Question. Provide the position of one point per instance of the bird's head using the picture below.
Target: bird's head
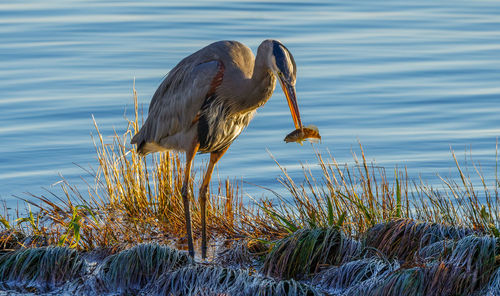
(281, 62)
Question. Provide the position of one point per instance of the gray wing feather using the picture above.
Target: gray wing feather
(177, 100)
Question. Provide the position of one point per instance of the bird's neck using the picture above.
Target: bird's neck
(259, 87)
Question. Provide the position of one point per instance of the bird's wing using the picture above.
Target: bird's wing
(177, 101)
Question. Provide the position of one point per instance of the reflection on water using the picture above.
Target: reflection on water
(408, 80)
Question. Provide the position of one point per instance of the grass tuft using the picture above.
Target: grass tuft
(354, 275)
(39, 269)
(402, 238)
(130, 270)
(436, 251)
(215, 280)
(242, 253)
(493, 286)
(476, 255)
(408, 282)
(305, 251)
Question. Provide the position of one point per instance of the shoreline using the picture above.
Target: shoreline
(402, 257)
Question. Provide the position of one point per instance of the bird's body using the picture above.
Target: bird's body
(208, 99)
(197, 99)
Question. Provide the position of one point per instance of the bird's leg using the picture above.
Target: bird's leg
(214, 157)
(185, 195)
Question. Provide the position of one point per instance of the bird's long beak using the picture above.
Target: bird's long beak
(291, 98)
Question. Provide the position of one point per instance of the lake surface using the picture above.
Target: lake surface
(407, 79)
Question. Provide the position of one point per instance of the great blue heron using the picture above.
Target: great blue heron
(207, 100)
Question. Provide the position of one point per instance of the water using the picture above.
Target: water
(406, 79)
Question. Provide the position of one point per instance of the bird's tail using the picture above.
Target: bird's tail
(141, 143)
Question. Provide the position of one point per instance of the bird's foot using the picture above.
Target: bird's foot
(204, 252)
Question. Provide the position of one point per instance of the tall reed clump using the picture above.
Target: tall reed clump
(146, 194)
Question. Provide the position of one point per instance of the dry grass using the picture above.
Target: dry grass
(356, 197)
(352, 198)
(133, 199)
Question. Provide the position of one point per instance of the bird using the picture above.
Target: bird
(207, 100)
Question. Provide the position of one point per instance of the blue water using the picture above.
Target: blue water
(407, 79)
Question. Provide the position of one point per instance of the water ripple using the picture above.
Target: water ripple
(406, 79)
